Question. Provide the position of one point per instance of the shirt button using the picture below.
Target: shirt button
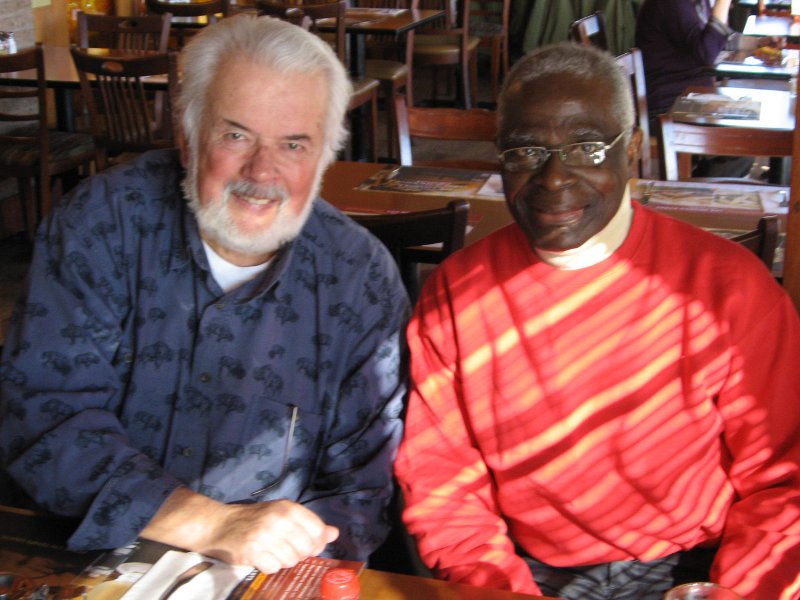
(205, 377)
(128, 358)
(219, 306)
(188, 452)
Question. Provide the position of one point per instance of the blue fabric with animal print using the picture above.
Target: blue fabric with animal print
(127, 371)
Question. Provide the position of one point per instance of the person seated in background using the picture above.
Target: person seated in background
(214, 358)
(680, 40)
(604, 399)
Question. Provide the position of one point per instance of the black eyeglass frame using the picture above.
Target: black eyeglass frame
(562, 152)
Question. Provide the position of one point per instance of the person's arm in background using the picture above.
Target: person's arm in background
(703, 40)
(451, 509)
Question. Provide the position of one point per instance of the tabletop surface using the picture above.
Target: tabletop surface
(32, 545)
(776, 108)
(744, 63)
(779, 26)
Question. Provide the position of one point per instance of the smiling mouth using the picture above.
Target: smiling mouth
(259, 201)
(560, 219)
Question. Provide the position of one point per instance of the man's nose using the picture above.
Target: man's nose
(261, 164)
(554, 174)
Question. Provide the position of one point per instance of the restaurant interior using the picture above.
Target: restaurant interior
(403, 75)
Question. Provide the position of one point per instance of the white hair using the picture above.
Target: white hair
(277, 45)
(582, 62)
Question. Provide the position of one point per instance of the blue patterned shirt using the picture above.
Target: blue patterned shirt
(128, 372)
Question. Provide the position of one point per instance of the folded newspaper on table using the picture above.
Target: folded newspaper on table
(710, 197)
(716, 106)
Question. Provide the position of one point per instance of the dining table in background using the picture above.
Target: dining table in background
(62, 78)
(746, 64)
(343, 186)
(776, 108)
(779, 26)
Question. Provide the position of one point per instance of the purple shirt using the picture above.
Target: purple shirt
(678, 39)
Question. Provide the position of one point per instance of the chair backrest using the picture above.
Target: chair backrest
(631, 62)
(679, 141)
(25, 105)
(308, 16)
(590, 30)
(145, 32)
(446, 124)
(406, 234)
(206, 8)
(126, 115)
(762, 240)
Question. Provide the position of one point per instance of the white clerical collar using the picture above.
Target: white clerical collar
(228, 275)
(597, 248)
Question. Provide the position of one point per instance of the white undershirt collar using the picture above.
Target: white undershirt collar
(228, 275)
(597, 248)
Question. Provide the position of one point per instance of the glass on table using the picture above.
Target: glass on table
(701, 590)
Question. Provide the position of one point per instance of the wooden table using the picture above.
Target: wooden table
(341, 179)
(62, 78)
(777, 108)
(32, 545)
(741, 64)
(773, 26)
(361, 22)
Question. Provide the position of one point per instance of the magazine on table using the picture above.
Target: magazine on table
(716, 106)
(439, 181)
(746, 198)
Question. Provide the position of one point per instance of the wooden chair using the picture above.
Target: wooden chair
(389, 60)
(210, 9)
(490, 23)
(407, 234)
(123, 114)
(762, 240)
(308, 16)
(29, 152)
(631, 62)
(590, 31)
(441, 123)
(449, 44)
(679, 141)
(146, 32)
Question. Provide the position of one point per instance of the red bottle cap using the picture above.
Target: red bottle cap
(340, 584)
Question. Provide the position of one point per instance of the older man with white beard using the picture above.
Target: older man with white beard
(224, 374)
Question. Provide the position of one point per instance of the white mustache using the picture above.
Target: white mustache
(258, 194)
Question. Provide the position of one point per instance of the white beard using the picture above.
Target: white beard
(216, 222)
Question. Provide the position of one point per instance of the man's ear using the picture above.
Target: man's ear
(634, 147)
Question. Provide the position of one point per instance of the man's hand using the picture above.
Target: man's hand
(268, 535)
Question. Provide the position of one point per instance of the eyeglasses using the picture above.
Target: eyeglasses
(533, 158)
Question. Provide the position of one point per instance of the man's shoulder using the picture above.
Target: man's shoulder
(140, 189)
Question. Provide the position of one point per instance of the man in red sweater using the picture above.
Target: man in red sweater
(606, 401)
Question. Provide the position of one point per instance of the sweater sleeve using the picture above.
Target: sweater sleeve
(451, 508)
(760, 549)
